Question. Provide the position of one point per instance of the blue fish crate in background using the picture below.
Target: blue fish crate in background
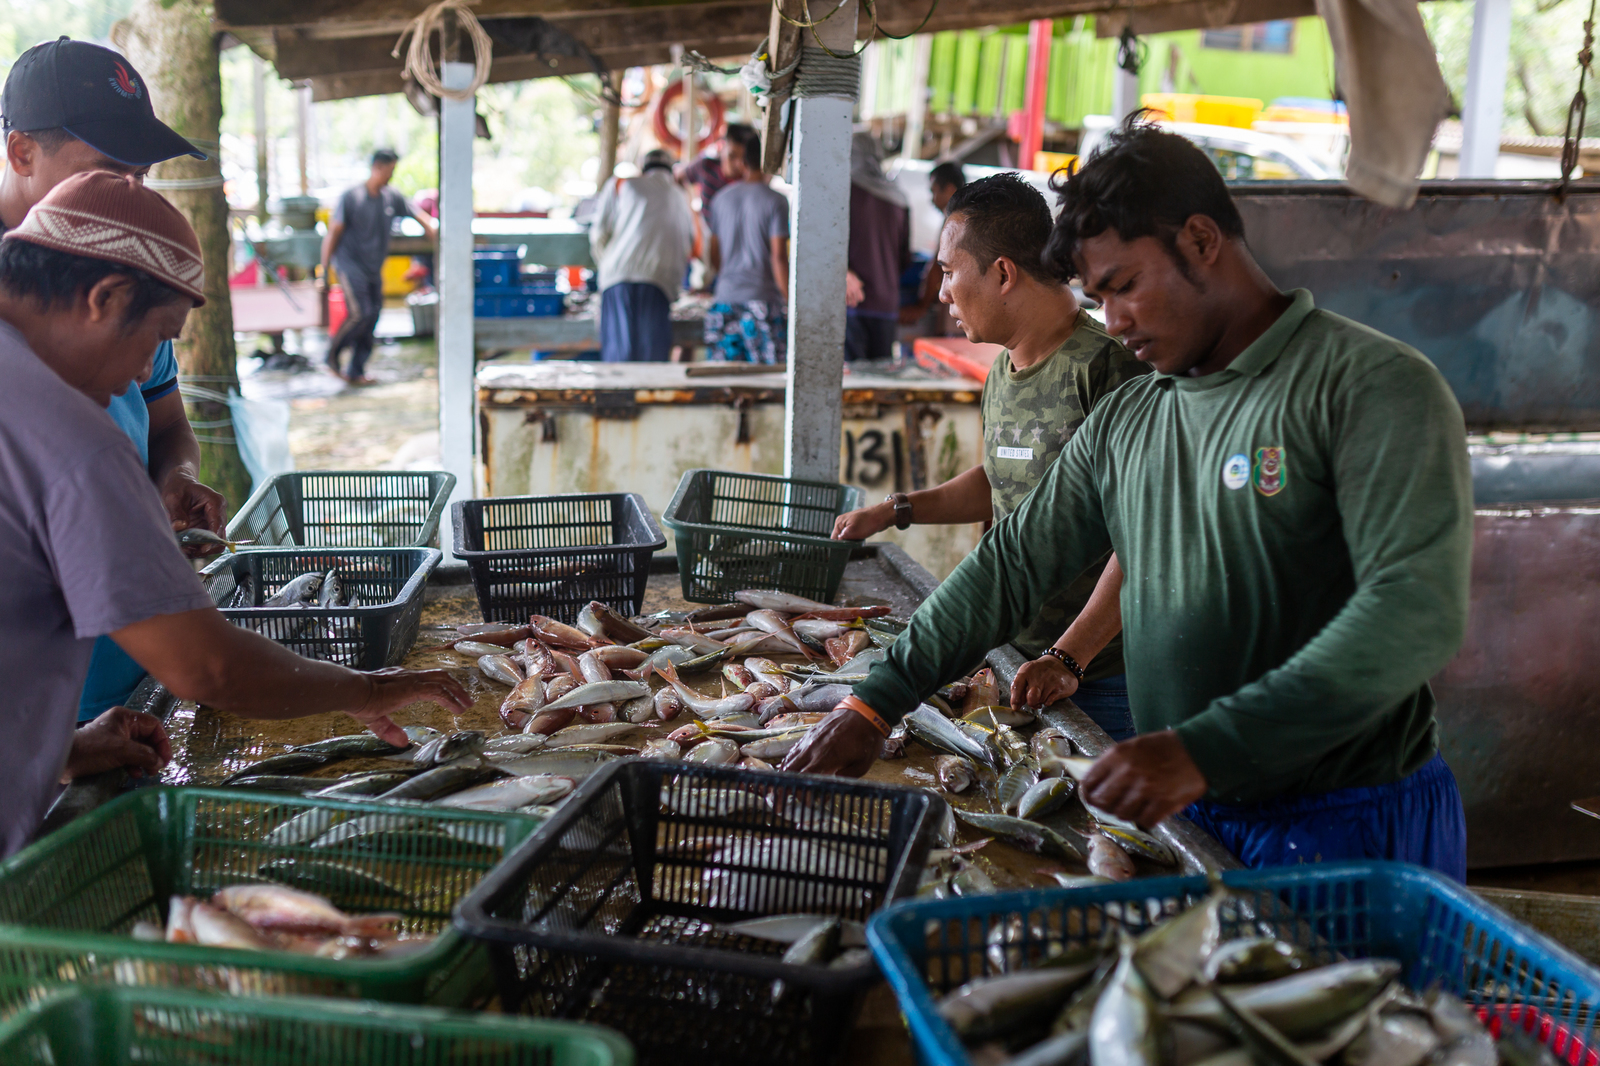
(1436, 929)
(520, 301)
(496, 266)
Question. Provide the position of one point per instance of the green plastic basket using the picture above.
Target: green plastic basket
(68, 902)
(345, 509)
(757, 531)
(167, 1027)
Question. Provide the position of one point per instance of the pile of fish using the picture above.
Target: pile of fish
(1032, 784)
(265, 917)
(317, 589)
(1182, 995)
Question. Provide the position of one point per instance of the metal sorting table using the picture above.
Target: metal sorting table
(576, 331)
(559, 427)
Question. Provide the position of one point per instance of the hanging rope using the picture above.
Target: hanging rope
(1578, 111)
(1130, 51)
(420, 64)
(825, 73)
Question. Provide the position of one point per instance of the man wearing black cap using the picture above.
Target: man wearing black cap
(69, 107)
(357, 244)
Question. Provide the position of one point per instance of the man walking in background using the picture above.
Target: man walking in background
(357, 244)
(749, 250)
(70, 107)
(879, 252)
(641, 237)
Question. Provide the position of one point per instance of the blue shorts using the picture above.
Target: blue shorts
(1106, 702)
(635, 323)
(1418, 819)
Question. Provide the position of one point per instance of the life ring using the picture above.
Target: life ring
(712, 104)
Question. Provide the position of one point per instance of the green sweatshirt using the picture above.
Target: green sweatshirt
(1295, 533)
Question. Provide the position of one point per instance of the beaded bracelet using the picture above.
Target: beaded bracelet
(1068, 661)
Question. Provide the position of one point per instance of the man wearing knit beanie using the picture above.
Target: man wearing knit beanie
(98, 273)
(68, 107)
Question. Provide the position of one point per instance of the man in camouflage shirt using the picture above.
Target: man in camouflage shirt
(1057, 365)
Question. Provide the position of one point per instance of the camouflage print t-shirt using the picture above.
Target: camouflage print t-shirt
(1028, 417)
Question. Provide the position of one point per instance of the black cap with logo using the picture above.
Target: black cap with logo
(94, 94)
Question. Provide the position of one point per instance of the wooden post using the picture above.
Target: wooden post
(173, 44)
(457, 398)
(783, 44)
(691, 118)
(817, 263)
(610, 121)
(262, 162)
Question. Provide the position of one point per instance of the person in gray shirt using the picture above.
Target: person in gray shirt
(356, 244)
(749, 250)
(100, 272)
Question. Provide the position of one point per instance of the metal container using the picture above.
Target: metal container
(563, 427)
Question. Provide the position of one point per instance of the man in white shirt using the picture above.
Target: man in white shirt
(642, 235)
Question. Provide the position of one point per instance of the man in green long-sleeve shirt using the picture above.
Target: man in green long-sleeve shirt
(1290, 499)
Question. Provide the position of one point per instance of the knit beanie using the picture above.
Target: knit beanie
(101, 215)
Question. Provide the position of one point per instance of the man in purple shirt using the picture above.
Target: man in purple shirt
(99, 273)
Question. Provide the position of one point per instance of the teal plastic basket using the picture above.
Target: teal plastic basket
(69, 901)
(1434, 927)
(756, 531)
(165, 1027)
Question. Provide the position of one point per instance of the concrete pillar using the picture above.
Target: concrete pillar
(1124, 93)
(1484, 105)
(819, 227)
(453, 264)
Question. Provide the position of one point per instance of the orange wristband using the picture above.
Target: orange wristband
(851, 703)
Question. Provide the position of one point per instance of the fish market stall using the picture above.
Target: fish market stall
(560, 427)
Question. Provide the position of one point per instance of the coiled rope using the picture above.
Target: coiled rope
(420, 64)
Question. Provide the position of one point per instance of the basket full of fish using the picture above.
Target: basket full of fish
(707, 914)
(738, 531)
(550, 555)
(1328, 964)
(359, 607)
(252, 894)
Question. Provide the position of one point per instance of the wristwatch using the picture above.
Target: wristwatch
(902, 509)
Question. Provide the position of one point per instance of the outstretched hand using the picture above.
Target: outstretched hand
(1043, 681)
(119, 737)
(843, 744)
(395, 688)
(1145, 780)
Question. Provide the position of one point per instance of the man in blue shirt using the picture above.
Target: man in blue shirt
(67, 107)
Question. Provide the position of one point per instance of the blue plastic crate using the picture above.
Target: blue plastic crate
(1437, 929)
(522, 301)
(497, 266)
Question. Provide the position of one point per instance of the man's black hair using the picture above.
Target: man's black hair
(1004, 216)
(385, 155)
(947, 174)
(59, 279)
(1142, 182)
(50, 140)
(749, 141)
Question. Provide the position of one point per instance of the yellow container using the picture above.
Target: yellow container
(394, 275)
(1050, 162)
(1239, 111)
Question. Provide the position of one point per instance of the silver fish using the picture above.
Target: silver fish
(661, 748)
(639, 710)
(1044, 796)
(1029, 836)
(352, 746)
(1138, 842)
(989, 1006)
(1255, 959)
(994, 716)
(789, 928)
(588, 733)
(477, 649)
(939, 733)
(200, 537)
(510, 793)
(1171, 955)
(563, 763)
(774, 747)
(1107, 859)
(1051, 742)
(463, 744)
(706, 706)
(1126, 1028)
(1015, 783)
(1302, 1004)
(331, 594)
(772, 622)
(955, 773)
(501, 668)
(714, 752)
(598, 692)
(301, 589)
(772, 600)
(592, 668)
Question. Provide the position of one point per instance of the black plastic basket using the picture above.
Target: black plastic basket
(551, 555)
(345, 509)
(744, 531)
(607, 913)
(389, 582)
